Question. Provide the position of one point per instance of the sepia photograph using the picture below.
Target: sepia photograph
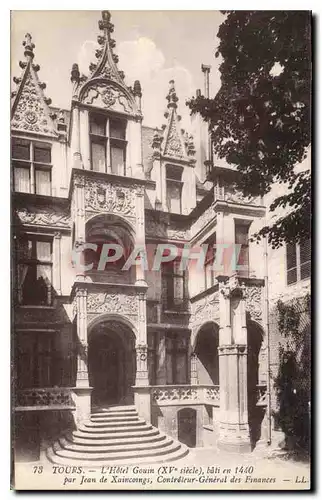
(161, 249)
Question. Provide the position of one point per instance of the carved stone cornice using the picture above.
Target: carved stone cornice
(232, 350)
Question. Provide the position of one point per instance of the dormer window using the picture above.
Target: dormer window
(31, 162)
(174, 188)
(108, 144)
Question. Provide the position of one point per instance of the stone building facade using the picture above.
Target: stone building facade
(188, 347)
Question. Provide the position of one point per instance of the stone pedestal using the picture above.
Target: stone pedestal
(233, 416)
(82, 400)
(142, 400)
(234, 430)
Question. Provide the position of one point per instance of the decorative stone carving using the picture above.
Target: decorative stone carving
(113, 198)
(52, 396)
(253, 295)
(205, 309)
(161, 229)
(261, 395)
(44, 216)
(31, 113)
(213, 394)
(112, 303)
(108, 97)
(231, 286)
(173, 145)
(236, 196)
(165, 394)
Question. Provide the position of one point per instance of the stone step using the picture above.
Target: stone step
(112, 414)
(146, 437)
(105, 426)
(114, 448)
(111, 418)
(113, 408)
(119, 455)
(133, 433)
(177, 455)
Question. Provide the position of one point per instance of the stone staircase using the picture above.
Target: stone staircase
(112, 436)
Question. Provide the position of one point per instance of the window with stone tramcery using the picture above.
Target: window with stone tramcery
(173, 286)
(34, 270)
(174, 188)
(31, 163)
(298, 261)
(169, 367)
(108, 144)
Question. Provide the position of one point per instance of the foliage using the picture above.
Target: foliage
(260, 118)
(292, 383)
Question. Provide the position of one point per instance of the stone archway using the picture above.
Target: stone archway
(111, 363)
(206, 350)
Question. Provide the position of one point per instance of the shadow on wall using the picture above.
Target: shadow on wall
(255, 414)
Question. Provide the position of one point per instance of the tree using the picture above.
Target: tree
(260, 118)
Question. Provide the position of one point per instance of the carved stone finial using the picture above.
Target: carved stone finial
(137, 88)
(74, 74)
(104, 23)
(29, 46)
(172, 96)
(156, 141)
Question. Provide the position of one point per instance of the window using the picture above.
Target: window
(209, 262)
(31, 163)
(174, 189)
(298, 261)
(173, 285)
(36, 356)
(108, 144)
(176, 359)
(241, 238)
(34, 271)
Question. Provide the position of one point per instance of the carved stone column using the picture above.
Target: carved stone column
(193, 369)
(82, 391)
(77, 157)
(81, 318)
(234, 429)
(141, 342)
(79, 200)
(57, 262)
(161, 354)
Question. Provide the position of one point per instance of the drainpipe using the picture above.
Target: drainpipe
(266, 322)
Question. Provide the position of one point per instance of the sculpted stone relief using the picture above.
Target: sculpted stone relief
(162, 229)
(30, 114)
(111, 198)
(44, 216)
(112, 303)
(173, 146)
(205, 309)
(253, 298)
(107, 97)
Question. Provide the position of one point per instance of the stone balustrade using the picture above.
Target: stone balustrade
(169, 395)
(45, 398)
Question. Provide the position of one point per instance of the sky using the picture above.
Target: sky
(153, 47)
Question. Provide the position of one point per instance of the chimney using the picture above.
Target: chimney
(206, 70)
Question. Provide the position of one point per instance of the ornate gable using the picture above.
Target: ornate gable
(30, 108)
(175, 144)
(105, 87)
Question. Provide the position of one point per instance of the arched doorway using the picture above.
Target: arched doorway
(187, 426)
(206, 349)
(111, 363)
